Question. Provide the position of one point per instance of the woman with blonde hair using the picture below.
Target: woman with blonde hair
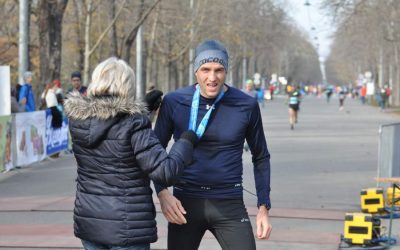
(117, 154)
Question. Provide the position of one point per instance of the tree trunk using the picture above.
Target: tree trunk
(155, 74)
(185, 69)
(145, 58)
(88, 23)
(149, 59)
(88, 49)
(396, 84)
(149, 63)
(113, 32)
(78, 29)
(380, 67)
(29, 28)
(127, 45)
(180, 71)
(171, 75)
(236, 74)
(132, 36)
(168, 66)
(50, 36)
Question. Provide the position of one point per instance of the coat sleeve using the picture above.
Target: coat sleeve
(23, 93)
(161, 167)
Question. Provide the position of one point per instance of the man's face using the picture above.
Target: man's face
(76, 82)
(211, 79)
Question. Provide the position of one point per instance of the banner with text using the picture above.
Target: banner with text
(57, 138)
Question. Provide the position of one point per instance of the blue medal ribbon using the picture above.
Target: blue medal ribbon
(195, 110)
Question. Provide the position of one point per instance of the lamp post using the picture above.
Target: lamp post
(139, 69)
(23, 39)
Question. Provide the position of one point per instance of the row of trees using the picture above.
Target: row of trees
(367, 39)
(77, 34)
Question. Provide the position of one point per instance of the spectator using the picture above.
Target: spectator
(383, 97)
(388, 92)
(50, 99)
(363, 93)
(26, 97)
(118, 154)
(76, 80)
(59, 91)
(15, 106)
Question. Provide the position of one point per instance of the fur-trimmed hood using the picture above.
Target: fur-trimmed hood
(79, 107)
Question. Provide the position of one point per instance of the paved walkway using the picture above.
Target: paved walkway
(61, 235)
(318, 171)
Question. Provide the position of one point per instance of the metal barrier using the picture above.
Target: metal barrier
(389, 152)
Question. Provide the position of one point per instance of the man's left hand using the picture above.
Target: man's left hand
(264, 228)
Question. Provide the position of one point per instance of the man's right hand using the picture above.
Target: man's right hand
(171, 207)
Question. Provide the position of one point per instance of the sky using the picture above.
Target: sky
(314, 21)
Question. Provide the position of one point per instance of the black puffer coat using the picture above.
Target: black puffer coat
(117, 154)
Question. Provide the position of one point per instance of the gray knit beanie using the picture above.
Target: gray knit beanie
(211, 51)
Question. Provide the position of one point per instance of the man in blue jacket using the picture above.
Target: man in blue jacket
(209, 195)
(25, 97)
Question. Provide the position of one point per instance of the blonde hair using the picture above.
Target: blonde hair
(113, 77)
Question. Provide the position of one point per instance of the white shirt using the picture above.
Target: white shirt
(51, 99)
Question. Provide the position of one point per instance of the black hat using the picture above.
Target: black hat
(76, 74)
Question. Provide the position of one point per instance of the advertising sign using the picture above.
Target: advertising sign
(5, 143)
(30, 137)
(56, 138)
(5, 103)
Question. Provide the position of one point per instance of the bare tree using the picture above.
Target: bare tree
(80, 44)
(9, 33)
(130, 38)
(50, 16)
(89, 50)
(257, 30)
(367, 39)
(113, 31)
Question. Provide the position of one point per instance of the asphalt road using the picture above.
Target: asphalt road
(318, 170)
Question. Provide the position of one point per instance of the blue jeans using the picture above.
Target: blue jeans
(87, 245)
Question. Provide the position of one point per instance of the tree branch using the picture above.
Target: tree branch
(133, 32)
(107, 29)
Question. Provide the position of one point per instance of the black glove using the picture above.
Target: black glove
(153, 99)
(190, 136)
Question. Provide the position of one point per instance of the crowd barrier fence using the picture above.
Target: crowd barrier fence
(28, 137)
